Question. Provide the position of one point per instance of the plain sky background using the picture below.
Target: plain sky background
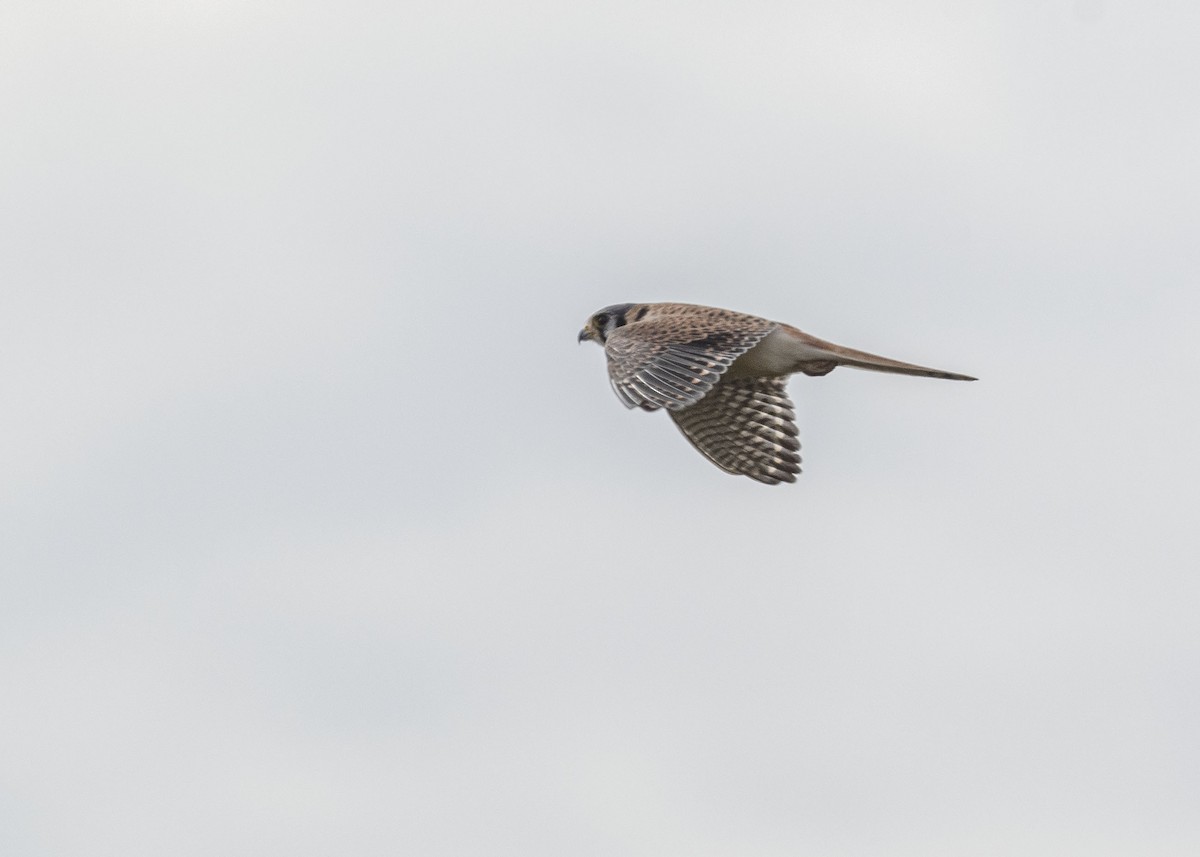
(319, 534)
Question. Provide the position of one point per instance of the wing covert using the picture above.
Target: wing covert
(660, 364)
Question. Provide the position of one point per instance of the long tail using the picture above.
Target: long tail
(830, 353)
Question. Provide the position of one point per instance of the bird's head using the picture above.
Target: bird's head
(600, 325)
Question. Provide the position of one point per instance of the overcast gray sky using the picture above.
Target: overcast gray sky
(320, 534)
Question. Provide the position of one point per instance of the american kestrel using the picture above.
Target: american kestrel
(722, 376)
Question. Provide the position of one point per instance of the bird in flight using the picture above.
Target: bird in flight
(722, 377)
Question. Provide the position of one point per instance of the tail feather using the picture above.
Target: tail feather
(874, 363)
(842, 356)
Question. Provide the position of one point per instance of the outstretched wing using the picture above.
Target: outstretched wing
(662, 364)
(746, 426)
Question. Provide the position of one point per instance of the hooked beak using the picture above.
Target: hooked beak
(585, 335)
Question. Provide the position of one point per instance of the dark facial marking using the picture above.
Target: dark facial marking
(616, 311)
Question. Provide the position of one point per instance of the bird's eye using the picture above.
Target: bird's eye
(601, 320)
